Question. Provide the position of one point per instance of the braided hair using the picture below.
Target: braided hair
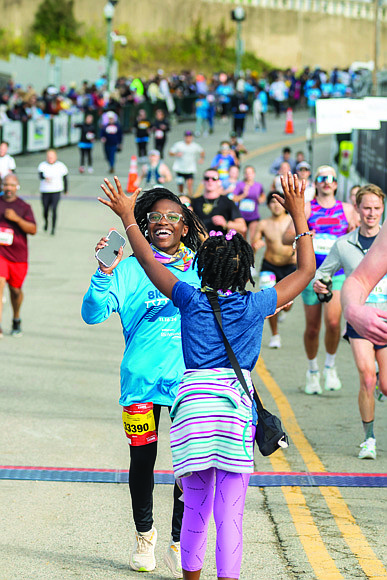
(196, 230)
(225, 264)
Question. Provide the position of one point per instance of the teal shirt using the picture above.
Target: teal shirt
(153, 364)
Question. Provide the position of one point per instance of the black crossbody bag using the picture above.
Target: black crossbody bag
(269, 435)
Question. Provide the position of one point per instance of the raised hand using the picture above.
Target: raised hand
(118, 201)
(294, 193)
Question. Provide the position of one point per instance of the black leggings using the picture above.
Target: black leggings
(50, 200)
(141, 484)
(86, 155)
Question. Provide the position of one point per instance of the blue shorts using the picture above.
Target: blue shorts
(309, 296)
(350, 332)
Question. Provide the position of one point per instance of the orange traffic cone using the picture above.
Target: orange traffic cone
(133, 175)
(289, 127)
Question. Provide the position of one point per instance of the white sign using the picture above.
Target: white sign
(13, 135)
(38, 134)
(60, 130)
(343, 115)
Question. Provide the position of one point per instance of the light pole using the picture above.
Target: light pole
(377, 27)
(108, 11)
(239, 15)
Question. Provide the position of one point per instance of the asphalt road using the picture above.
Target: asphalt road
(59, 389)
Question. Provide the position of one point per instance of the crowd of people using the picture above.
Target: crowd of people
(211, 95)
(202, 242)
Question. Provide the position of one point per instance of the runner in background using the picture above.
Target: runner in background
(347, 253)
(328, 219)
(279, 260)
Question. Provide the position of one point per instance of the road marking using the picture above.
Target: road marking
(274, 146)
(350, 531)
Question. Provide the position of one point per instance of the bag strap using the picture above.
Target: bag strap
(214, 302)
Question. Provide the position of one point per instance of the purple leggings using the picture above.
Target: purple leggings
(228, 505)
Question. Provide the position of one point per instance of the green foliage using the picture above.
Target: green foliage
(202, 49)
(55, 21)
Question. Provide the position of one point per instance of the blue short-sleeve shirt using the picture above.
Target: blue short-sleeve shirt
(243, 316)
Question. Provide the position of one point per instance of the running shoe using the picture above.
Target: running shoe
(16, 328)
(1, 333)
(81, 169)
(332, 381)
(143, 558)
(379, 395)
(90, 170)
(275, 341)
(368, 449)
(312, 386)
(173, 560)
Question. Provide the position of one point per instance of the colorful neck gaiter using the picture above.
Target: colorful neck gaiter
(181, 260)
(219, 292)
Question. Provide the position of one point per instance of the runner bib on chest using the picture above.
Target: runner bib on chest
(379, 293)
(6, 236)
(322, 243)
(247, 205)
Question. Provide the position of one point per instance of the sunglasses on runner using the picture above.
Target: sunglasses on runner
(326, 178)
(210, 178)
(154, 217)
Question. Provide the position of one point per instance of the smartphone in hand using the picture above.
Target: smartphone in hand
(109, 253)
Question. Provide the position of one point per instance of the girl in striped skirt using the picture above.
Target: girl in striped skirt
(212, 433)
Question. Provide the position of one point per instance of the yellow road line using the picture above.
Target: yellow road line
(319, 558)
(273, 146)
(351, 532)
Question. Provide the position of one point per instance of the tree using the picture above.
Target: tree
(55, 21)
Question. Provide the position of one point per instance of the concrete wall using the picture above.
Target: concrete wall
(284, 37)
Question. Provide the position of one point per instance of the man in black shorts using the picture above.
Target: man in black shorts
(279, 260)
(215, 210)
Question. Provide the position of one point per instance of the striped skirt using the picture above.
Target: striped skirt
(212, 423)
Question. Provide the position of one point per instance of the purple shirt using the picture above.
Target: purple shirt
(250, 204)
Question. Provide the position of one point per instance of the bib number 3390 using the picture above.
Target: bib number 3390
(139, 424)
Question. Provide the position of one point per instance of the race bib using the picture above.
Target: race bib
(159, 134)
(90, 136)
(322, 243)
(247, 205)
(139, 424)
(379, 293)
(111, 129)
(266, 280)
(6, 236)
(243, 108)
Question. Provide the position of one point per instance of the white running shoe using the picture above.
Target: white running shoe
(275, 341)
(368, 449)
(332, 381)
(143, 558)
(379, 396)
(312, 386)
(173, 560)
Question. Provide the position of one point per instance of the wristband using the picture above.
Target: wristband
(300, 236)
(129, 226)
(103, 273)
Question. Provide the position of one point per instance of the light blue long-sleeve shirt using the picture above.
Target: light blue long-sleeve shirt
(152, 365)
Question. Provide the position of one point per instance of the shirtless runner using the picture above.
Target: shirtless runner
(279, 260)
